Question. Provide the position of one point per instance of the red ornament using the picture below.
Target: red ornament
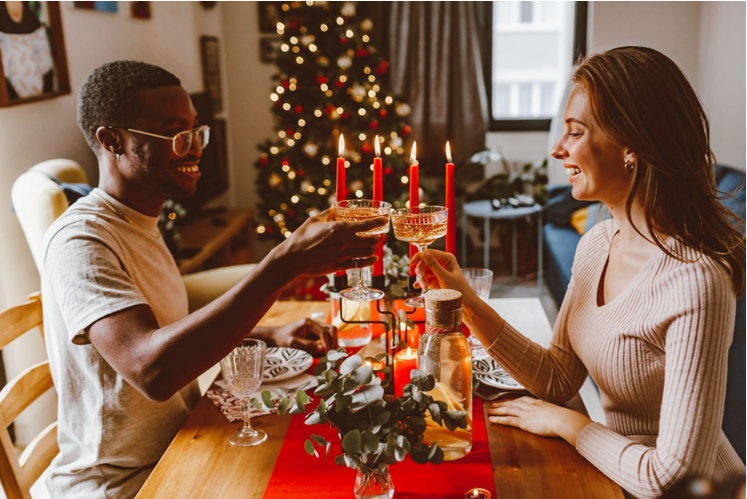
(373, 125)
(382, 67)
(343, 40)
(299, 109)
(291, 213)
(366, 147)
(289, 131)
(362, 53)
(345, 116)
(339, 83)
(263, 161)
(293, 24)
(269, 230)
(388, 170)
(329, 109)
(405, 130)
(286, 84)
(300, 173)
(321, 80)
(382, 112)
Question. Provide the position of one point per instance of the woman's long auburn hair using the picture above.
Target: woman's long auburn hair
(641, 100)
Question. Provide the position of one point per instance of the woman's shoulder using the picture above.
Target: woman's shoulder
(700, 273)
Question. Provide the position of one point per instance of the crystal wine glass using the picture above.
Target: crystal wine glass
(420, 226)
(242, 372)
(357, 210)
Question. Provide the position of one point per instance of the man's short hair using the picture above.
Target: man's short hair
(111, 95)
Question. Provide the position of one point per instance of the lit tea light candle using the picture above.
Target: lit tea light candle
(477, 493)
(377, 366)
(404, 362)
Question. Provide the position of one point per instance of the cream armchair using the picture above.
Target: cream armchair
(38, 201)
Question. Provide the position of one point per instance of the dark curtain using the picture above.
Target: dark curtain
(435, 52)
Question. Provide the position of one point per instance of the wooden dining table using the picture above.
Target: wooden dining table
(201, 463)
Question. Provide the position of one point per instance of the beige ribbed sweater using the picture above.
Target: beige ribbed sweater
(658, 354)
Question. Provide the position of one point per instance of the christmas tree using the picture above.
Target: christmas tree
(331, 81)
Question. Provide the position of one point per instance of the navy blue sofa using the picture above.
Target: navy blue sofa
(560, 247)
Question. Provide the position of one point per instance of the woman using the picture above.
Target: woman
(649, 311)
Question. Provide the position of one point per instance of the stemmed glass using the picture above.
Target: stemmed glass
(480, 280)
(357, 210)
(420, 226)
(242, 372)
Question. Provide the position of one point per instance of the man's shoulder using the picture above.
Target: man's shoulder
(82, 221)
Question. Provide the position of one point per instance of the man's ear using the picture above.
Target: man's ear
(110, 140)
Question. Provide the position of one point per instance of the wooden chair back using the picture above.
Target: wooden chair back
(19, 474)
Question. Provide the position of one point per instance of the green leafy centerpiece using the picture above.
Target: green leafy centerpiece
(373, 432)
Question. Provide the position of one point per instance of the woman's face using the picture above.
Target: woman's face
(595, 165)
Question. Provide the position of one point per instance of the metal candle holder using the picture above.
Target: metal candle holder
(377, 282)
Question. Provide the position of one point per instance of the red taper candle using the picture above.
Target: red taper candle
(341, 193)
(450, 204)
(378, 195)
(414, 194)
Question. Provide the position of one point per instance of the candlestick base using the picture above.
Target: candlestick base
(340, 282)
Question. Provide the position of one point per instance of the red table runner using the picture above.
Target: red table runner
(296, 472)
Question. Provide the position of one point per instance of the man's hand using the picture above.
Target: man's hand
(306, 334)
(321, 245)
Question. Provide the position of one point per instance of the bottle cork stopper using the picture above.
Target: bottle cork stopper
(441, 307)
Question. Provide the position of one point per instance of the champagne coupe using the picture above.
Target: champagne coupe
(242, 372)
(420, 226)
(357, 210)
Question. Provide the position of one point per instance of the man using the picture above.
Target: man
(124, 353)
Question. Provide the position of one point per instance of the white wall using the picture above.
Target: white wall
(721, 78)
(705, 39)
(36, 132)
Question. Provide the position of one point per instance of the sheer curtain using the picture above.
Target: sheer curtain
(436, 65)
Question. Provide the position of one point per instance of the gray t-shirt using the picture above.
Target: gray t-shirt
(96, 264)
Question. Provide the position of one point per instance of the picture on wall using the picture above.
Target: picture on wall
(32, 50)
(101, 6)
(269, 47)
(140, 10)
(210, 52)
(269, 16)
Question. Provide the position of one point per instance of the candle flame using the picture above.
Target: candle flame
(402, 327)
(409, 352)
(377, 148)
(413, 154)
(448, 152)
(341, 147)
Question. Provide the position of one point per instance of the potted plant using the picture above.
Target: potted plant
(373, 433)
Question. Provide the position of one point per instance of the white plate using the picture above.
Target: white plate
(489, 372)
(284, 363)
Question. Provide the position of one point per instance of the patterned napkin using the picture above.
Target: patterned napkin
(229, 405)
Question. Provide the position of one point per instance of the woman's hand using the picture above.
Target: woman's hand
(438, 270)
(539, 417)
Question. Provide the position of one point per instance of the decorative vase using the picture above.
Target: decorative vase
(377, 485)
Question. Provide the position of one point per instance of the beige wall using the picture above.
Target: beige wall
(721, 78)
(36, 132)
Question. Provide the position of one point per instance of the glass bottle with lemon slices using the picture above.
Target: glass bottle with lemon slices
(445, 353)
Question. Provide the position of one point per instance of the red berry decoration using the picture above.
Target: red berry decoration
(405, 130)
(300, 173)
(299, 109)
(388, 170)
(291, 213)
(366, 147)
(362, 53)
(339, 83)
(264, 161)
(345, 116)
(382, 67)
(322, 79)
(373, 125)
(329, 109)
(286, 84)
(382, 112)
(289, 131)
(343, 40)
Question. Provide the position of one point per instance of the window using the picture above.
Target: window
(532, 47)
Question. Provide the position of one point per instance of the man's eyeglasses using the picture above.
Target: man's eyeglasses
(182, 141)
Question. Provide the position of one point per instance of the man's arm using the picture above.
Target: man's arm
(160, 361)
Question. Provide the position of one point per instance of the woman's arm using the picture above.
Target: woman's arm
(554, 374)
(697, 345)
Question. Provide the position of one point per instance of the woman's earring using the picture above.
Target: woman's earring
(117, 158)
(629, 165)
